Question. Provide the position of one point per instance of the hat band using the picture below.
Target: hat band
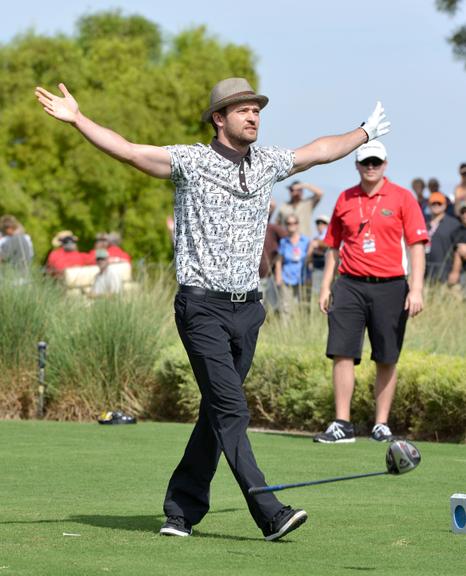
(236, 95)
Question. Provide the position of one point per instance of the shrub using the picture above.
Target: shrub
(431, 396)
(292, 389)
(176, 395)
(288, 387)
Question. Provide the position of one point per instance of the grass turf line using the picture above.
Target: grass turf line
(107, 484)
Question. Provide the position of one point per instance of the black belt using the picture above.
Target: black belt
(373, 279)
(251, 296)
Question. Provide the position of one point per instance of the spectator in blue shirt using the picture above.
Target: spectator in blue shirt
(291, 272)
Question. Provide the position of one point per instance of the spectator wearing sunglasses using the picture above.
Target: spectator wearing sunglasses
(443, 230)
(291, 272)
(366, 236)
(433, 185)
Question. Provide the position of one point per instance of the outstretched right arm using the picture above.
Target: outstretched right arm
(152, 160)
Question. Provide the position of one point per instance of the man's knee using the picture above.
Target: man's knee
(233, 421)
(343, 362)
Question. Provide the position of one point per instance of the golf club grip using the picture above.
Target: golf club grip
(277, 487)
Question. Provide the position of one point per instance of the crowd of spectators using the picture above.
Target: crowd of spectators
(16, 249)
(446, 224)
(294, 250)
(65, 253)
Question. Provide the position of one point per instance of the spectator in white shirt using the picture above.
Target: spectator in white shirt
(107, 281)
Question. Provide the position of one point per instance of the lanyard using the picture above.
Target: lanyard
(433, 228)
(367, 220)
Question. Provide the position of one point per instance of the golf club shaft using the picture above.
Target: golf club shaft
(277, 487)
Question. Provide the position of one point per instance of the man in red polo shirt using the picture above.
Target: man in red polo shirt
(65, 255)
(370, 226)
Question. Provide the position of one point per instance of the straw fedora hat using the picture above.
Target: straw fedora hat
(232, 91)
(58, 238)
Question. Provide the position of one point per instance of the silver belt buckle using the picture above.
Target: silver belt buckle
(238, 296)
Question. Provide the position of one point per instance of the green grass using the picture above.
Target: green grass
(107, 484)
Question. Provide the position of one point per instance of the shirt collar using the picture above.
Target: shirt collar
(381, 192)
(229, 153)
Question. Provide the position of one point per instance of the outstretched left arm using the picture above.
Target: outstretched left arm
(330, 148)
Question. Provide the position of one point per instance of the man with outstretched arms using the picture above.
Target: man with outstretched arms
(222, 200)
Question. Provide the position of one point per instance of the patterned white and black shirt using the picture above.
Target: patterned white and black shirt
(221, 211)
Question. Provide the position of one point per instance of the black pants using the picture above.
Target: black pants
(220, 338)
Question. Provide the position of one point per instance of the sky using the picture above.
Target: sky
(323, 64)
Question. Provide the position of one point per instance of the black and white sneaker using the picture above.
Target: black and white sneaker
(176, 526)
(284, 521)
(339, 432)
(382, 433)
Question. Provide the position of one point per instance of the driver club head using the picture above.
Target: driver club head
(402, 456)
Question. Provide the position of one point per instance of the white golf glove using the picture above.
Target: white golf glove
(374, 125)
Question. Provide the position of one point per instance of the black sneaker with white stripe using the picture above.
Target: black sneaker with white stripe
(176, 526)
(339, 432)
(382, 433)
(284, 522)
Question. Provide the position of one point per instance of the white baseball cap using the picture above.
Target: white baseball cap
(372, 149)
(323, 218)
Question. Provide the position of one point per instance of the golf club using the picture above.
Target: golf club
(401, 457)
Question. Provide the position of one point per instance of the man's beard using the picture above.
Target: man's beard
(241, 139)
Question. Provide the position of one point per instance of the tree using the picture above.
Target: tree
(458, 38)
(123, 77)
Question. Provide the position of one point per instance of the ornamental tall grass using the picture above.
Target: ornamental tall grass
(109, 354)
(26, 310)
(439, 329)
(100, 353)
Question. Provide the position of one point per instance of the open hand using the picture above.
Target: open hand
(63, 108)
(375, 125)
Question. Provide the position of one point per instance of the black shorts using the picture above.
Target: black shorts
(356, 305)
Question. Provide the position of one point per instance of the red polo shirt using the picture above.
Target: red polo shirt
(59, 259)
(115, 254)
(391, 217)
